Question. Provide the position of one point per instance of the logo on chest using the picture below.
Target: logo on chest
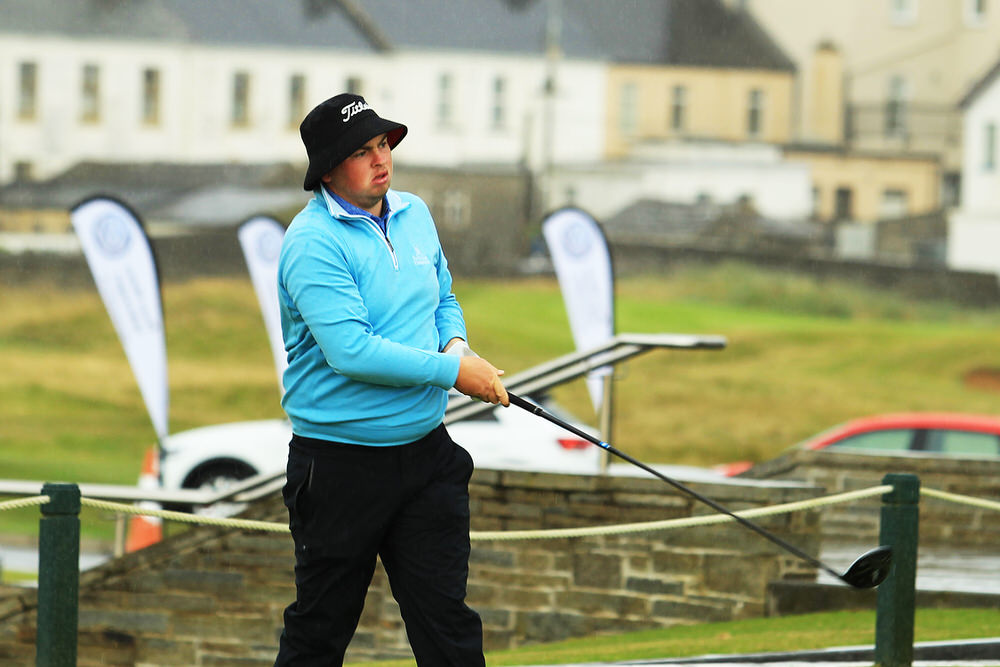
(419, 258)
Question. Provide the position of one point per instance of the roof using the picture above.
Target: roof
(704, 33)
(207, 194)
(979, 86)
(300, 23)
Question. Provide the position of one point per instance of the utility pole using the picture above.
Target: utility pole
(553, 32)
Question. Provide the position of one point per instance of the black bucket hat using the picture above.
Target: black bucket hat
(338, 127)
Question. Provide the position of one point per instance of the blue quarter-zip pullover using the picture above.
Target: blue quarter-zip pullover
(364, 315)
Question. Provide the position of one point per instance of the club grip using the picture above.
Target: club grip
(521, 403)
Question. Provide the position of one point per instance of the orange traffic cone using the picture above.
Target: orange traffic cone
(146, 530)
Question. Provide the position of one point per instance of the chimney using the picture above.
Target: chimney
(824, 111)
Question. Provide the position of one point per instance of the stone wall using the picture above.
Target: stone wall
(209, 596)
(941, 522)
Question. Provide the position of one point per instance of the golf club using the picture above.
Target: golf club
(868, 571)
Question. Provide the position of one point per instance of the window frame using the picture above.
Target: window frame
(756, 103)
(27, 90)
(903, 13)
(90, 94)
(152, 98)
(678, 108)
(239, 111)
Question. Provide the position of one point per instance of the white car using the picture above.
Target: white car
(215, 456)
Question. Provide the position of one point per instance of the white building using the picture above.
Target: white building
(974, 228)
(690, 172)
(228, 81)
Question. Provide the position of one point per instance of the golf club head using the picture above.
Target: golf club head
(870, 569)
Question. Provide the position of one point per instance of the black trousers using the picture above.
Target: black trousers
(410, 506)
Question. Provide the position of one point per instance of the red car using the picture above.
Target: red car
(929, 433)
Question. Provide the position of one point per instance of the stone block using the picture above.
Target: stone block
(487, 556)
(549, 627)
(592, 603)
(496, 618)
(691, 611)
(123, 621)
(655, 586)
(246, 627)
(675, 560)
(546, 481)
(516, 597)
(534, 561)
(496, 639)
(202, 581)
(477, 594)
(548, 580)
(742, 575)
(164, 651)
(595, 570)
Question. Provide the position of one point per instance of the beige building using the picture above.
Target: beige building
(659, 103)
(906, 64)
(858, 186)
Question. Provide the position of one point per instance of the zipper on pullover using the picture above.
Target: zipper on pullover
(385, 237)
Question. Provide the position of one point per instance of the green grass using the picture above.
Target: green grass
(15, 578)
(802, 355)
(760, 635)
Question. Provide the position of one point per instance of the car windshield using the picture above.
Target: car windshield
(961, 443)
(897, 440)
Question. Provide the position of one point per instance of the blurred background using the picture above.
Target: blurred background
(814, 180)
(836, 160)
(856, 130)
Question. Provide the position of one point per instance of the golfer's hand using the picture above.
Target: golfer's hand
(478, 378)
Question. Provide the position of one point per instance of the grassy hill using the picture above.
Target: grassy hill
(801, 356)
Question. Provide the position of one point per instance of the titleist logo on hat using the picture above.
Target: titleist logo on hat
(351, 110)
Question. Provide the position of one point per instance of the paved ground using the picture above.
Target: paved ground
(938, 568)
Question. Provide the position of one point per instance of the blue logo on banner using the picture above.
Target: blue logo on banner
(269, 245)
(113, 235)
(577, 239)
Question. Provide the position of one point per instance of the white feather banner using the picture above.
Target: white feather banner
(121, 260)
(582, 263)
(260, 238)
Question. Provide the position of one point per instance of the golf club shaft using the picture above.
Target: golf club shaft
(538, 411)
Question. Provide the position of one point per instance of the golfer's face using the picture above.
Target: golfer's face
(363, 178)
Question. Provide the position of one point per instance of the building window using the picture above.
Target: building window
(893, 204)
(90, 94)
(296, 99)
(990, 147)
(445, 101)
(678, 108)
(843, 204)
(498, 109)
(975, 13)
(23, 172)
(895, 107)
(151, 96)
(903, 12)
(457, 210)
(240, 114)
(27, 100)
(755, 113)
(629, 121)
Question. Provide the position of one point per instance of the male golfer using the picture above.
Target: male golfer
(375, 338)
